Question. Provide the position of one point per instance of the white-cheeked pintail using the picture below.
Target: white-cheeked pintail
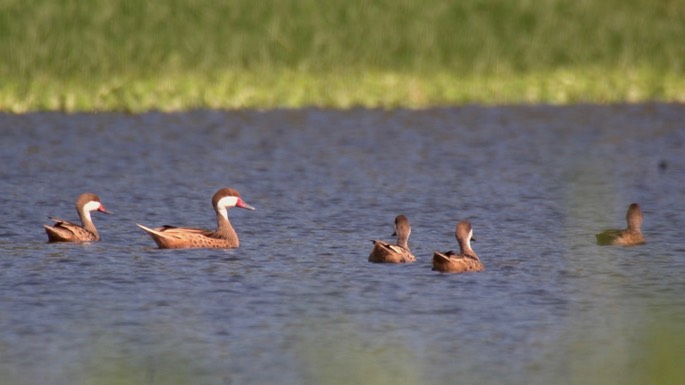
(65, 231)
(384, 252)
(630, 236)
(170, 237)
(465, 260)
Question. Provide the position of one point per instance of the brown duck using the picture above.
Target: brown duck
(170, 237)
(65, 231)
(627, 237)
(384, 252)
(465, 260)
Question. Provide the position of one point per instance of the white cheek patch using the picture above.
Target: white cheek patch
(228, 201)
(91, 206)
(224, 202)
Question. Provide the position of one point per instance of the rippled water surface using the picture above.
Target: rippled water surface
(298, 303)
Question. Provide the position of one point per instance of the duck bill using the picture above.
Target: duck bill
(241, 203)
(102, 209)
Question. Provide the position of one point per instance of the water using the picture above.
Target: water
(298, 302)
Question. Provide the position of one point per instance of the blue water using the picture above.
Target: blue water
(298, 303)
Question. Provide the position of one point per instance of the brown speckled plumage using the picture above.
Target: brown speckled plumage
(384, 252)
(464, 261)
(631, 236)
(65, 231)
(170, 237)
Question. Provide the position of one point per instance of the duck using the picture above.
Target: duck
(224, 237)
(384, 252)
(630, 236)
(65, 231)
(464, 261)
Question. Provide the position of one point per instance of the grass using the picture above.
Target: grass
(180, 54)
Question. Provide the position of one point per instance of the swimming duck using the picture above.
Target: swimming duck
(65, 231)
(384, 252)
(170, 237)
(627, 237)
(465, 260)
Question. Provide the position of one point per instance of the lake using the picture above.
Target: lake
(298, 303)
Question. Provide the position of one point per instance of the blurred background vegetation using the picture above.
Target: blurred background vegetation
(178, 54)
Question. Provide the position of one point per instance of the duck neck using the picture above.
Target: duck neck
(634, 230)
(465, 248)
(634, 227)
(87, 222)
(403, 241)
(223, 226)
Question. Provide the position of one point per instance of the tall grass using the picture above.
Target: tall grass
(64, 54)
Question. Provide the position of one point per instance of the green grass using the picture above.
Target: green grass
(179, 54)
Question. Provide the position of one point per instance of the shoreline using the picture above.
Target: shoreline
(262, 89)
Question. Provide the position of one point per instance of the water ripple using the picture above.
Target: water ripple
(536, 183)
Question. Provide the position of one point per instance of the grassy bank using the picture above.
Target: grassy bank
(135, 55)
(287, 88)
